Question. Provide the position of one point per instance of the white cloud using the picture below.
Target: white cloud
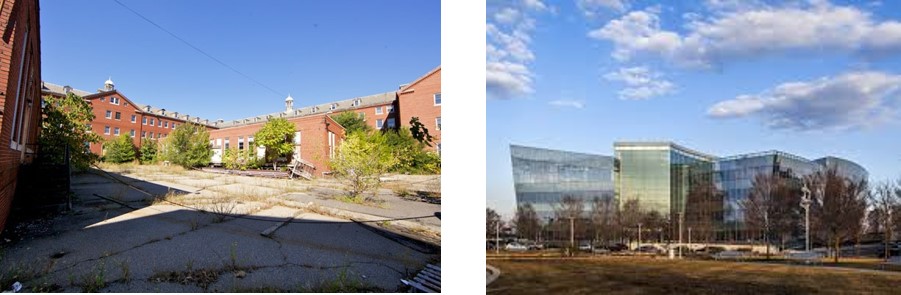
(567, 103)
(851, 100)
(641, 83)
(750, 31)
(591, 7)
(508, 49)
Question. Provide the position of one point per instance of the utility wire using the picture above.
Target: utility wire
(198, 49)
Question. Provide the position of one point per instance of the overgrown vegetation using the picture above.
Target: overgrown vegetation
(361, 161)
(242, 159)
(66, 123)
(411, 154)
(278, 138)
(352, 122)
(188, 146)
(119, 150)
(149, 151)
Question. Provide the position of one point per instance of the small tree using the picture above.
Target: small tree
(412, 157)
(570, 209)
(66, 124)
(188, 145)
(492, 222)
(603, 210)
(361, 161)
(149, 151)
(885, 200)
(278, 138)
(526, 221)
(839, 208)
(119, 150)
(352, 122)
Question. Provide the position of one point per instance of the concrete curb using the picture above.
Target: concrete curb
(494, 273)
(351, 215)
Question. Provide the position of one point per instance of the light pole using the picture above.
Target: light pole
(805, 203)
(497, 237)
(681, 216)
(639, 236)
(572, 234)
(689, 237)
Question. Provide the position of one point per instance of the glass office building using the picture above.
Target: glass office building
(542, 177)
(658, 174)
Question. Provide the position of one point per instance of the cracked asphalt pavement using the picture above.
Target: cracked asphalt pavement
(104, 246)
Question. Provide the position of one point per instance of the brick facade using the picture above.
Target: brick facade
(314, 138)
(20, 93)
(418, 99)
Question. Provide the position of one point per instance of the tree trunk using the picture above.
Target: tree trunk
(837, 250)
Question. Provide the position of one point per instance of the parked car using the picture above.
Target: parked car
(618, 247)
(585, 247)
(535, 246)
(515, 247)
(648, 249)
(711, 249)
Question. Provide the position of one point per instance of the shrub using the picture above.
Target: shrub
(119, 150)
(149, 151)
(360, 162)
(65, 124)
(278, 138)
(188, 145)
(412, 157)
(352, 122)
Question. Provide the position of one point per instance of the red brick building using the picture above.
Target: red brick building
(115, 114)
(422, 99)
(20, 93)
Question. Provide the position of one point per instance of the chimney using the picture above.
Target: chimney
(187, 117)
(196, 119)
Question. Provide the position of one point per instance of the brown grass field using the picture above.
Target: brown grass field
(638, 275)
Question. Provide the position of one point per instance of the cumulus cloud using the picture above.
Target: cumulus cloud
(591, 7)
(848, 101)
(641, 83)
(567, 103)
(508, 52)
(748, 31)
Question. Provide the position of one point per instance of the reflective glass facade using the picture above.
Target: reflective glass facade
(543, 177)
(658, 174)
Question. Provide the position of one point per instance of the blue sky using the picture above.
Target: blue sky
(318, 51)
(812, 78)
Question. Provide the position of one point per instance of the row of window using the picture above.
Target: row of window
(134, 119)
(113, 100)
(106, 131)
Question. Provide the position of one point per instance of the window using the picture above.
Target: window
(151, 134)
(379, 123)
(391, 108)
(226, 143)
(109, 114)
(159, 123)
(362, 116)
(438, 123)
(106, 130)
(438, 99)
(438, 148)
(297, 138)
(114, 100)
(240, 142)
(174, 125)
(102, 99)
(331, 145)
(116, 131)
(158, 135)
(118, 115)
(144, 120)
(132, 133)
(356, 102)
(134, 118)
(166, 124)
(126, 104)
(143, 134)
(390, 122)
(151, 121)
(378, 110)
(334, 106)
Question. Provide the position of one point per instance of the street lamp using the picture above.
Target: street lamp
(681, 220)
(805, 203)
(639, 236)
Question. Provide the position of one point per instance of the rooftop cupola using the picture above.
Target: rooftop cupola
(109, 85)
(289, 104)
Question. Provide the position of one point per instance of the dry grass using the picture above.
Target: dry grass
(659, 276)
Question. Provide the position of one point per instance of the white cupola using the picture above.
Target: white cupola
(289, 104)
(109, 85)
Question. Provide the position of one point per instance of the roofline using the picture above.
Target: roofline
(557, 150)
(402, 90)
(667, 144)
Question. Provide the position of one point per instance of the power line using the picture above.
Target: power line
(198, 49)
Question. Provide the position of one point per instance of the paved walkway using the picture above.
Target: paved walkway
(104, 246)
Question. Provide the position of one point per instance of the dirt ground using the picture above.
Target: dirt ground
(633, 275)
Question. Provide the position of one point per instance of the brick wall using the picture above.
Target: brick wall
(20, 93)
(371, 114)
(314, 146)
(418, 100)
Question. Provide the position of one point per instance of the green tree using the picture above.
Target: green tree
(66, 124)
(119, 150)
(278, 138)
(188, 145)
(361, 161)
(149, 151)
(419, 132)
(352, 122)
(412, 157)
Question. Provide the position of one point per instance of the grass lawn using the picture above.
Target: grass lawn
(635, 275)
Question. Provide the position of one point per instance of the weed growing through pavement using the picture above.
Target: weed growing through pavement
(125, 268)
(95, 280)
